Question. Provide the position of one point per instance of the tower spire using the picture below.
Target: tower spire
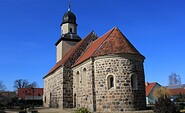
(69, 6)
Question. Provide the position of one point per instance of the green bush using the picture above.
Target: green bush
(165, 105)
(82, 110)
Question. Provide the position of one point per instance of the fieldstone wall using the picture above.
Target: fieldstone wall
(68, 73)
(83, 94)
(67, 88)
(53, 93)
(122, 97)
(58, 89)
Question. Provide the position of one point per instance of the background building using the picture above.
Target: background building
(177, 91)
(29, 96)
(150, 88)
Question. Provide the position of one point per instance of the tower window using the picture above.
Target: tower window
(70, 30)
(110, 81)
(134, 82)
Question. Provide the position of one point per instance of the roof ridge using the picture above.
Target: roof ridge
(93, 33)
(116, 43)
(104, 40)
(129, 42)
(92, 48)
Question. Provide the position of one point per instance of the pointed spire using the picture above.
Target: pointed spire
(69, 6)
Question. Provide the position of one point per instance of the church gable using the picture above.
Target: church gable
(92, 48)
(74, 53)
(80, 50)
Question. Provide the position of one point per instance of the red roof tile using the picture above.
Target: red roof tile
(149, 87)
(176, 91)
(116, 43)
(113, 42)
(23, 92)
(93, 47)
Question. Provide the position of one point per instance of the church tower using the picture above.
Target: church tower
(69, 37)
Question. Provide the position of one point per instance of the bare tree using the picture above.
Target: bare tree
(174, 79)
(2, 86)
(22, 83)
(32, 85)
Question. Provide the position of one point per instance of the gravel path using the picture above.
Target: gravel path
(52, 110)
(47, 110)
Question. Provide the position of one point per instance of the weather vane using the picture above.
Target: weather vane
(69, 5)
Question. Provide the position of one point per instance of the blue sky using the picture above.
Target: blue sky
(30, 28)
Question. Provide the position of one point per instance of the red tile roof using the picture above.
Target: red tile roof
(176, 91)
(116, 43)
(93, 47)
(113, 42)
(23, 92)
(149, 87)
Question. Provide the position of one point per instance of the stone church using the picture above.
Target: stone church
(100, 73)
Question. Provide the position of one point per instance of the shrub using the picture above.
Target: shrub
(165, 105)
(82, 110)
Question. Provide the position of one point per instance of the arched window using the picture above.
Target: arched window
(84, 77)
(134, 82)
(77, 79)
(110, 81)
